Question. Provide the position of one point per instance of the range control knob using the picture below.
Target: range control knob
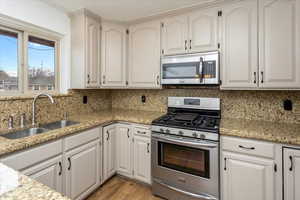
(180, 133)
(167, 131)
(161, 130)
(195, 135)
(202, 136)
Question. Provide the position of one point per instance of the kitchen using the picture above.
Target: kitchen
(158, 99)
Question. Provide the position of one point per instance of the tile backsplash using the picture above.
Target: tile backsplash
(47, 112)
(254, 105)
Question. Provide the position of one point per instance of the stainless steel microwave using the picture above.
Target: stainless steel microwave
(191, 69)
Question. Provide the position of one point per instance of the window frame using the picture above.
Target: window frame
(23, 34)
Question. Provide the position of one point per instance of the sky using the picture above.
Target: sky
(37, 54)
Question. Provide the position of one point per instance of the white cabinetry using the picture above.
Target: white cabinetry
(195, 32)
(124, 149)
(279, 43)
(82, 170)
(142, 155)
(48, 173)
(144, 55)
(291, 173)
(113, 68)
(85, 72)
(109, 151)
(249, 170)
(239, 58)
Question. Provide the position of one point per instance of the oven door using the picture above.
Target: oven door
(185, 166)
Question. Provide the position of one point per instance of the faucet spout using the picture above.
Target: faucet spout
(34, 105)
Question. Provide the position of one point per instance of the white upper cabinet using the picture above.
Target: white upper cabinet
(144, 55)
(291, 174)
(174, 35)
(239, 60)
(279, 43)
(124, 150)
(203, 30)
(113, 55)
(85, 51)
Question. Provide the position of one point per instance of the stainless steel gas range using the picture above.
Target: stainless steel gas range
(185, 150)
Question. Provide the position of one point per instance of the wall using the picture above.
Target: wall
(46, 112)
(42, 15)
(257, 105)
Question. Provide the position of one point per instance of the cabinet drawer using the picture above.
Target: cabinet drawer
(29, 157)
(246, 146)
(142, 131)
(81, 138)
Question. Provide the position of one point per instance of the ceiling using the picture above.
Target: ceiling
(125, 10)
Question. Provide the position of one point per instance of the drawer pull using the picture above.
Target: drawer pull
(141, 132)
(291, 167)
(248, 148)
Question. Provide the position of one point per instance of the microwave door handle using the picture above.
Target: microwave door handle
(201, 70)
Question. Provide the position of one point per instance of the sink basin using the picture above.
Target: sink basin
(59, 124)
(25, 133)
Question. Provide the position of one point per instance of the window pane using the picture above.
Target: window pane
(8, 61)
(41, 64)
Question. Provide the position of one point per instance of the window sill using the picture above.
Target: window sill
(29, 96)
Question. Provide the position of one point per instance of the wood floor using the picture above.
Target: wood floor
(122, 189)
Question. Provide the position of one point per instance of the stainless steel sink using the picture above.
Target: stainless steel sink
(25, 133)
(42, 129)
(59, 124)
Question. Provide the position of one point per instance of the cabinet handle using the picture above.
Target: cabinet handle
(262, 76)
(142, 132)
(89, 79)
(103, 79)
(190, 44)
(185, 44)
(291, 160)
(60, 169)
(128, 133)
(107, 132)
(254, 78)
(248, 148)
(148, 145)
(157, 79)
(69, 168)
(225, 164)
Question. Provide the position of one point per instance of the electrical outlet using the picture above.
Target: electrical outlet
(85, 99)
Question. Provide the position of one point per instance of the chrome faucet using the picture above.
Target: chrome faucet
(34, 103)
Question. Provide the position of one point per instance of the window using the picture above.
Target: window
(28, 62)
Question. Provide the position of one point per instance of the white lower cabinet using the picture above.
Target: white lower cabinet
(124, 149)
(82, 171)
(291, 173)
(142, 159)
(109, 151)
(48, 172)
(249, 170)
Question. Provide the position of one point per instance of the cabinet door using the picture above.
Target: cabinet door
(246, 177)
(113, 55)
(142, 159)
(48, 173)
(92, 52)
(239, 45)
(144, 55)
(82, 170)
(291, 174)
(174, 35)
(109, 151)
(279, 43)
(124, 149)
(203, 30)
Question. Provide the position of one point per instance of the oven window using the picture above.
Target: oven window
(181, 70)
(185, 159)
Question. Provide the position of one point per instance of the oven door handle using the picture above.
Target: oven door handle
(186, 143)
(198, 196)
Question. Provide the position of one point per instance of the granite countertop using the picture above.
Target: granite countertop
(15, 186)
(261, 130)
